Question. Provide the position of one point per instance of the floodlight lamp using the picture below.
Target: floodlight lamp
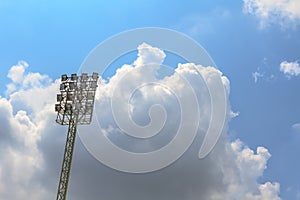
(70, 97)
(57, 107)
(93, 84)
(72, 86)
(83, 85)
(59, 97)
(95, 75)
(68, 107)
(64, 77)
(74, 77)
(62, 86)
(84, 76)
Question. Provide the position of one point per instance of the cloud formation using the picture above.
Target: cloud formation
(290, 68)
(22, 117)
(296, 127)
(273, 11)
(264, 72)
(256, 75)
(31, 142)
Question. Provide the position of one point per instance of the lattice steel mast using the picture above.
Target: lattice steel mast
(74, 107)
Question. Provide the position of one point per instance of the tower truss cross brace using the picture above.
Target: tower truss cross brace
(67, 161)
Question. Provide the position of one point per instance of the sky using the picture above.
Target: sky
(255, 45)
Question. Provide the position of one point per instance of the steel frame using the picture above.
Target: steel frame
(75, 107)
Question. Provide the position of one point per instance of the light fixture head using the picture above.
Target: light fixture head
(74, 77)
(95, 75)
(72, 86)
(68, 107)
(62, 86)
(70, 97)
(83, 85)
(64, 77)
(76, 98)
(59, 97)
(57, 107)
(94, 84)
(84, 76)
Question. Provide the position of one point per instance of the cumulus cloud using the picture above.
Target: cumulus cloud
(16, 72)
(290, 68)
(21, 81)
(233, 114)
(273, 11)
(16, 75)
(296, 127)
(256, 75)
(30, 141)
(24, 118)
(19, 153)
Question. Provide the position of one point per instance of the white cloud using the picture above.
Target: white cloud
(249, 166)
(21, 158)
(148, 55)
(30, 141)
(296, 127)
(19, 154)
(256, 75)
(233, 114)
(273, 11)
(290, 68)
(264, 72)
(16, 72)
(21, 81)
(267, 191)
(16, 75)
(265, 76)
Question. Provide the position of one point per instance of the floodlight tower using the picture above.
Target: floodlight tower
(74, 107)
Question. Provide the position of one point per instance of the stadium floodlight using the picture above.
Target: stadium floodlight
(74, 77)
(64, 77)
(84, 77)
(72, 86)
(74, 107)
(59, 97)
(95, 76)
(93, 84)
(83, 85)
(70, 97)
(68, 108)
(57, 107)
(62, 86)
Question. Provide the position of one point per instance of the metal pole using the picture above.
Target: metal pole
(67, 160)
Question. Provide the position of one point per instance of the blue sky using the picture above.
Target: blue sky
(55, 37)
